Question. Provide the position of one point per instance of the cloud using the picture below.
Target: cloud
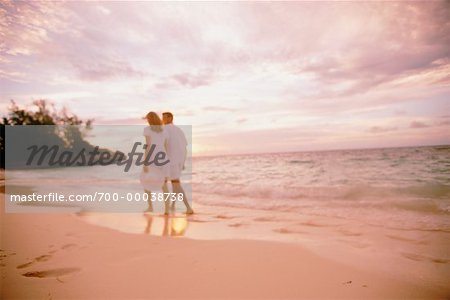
(13, 76)
(26, 26)
(123, 121)
(400, 112)
(355, 51)
(186, 80)
(56, 37)
(241, 120)
(106, 70)
(417, 124)
(378, 129)
(219, 108)
(445, 123)
(351, 48)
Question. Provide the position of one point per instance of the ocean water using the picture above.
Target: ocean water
(401, 188)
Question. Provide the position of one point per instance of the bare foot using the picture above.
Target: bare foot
(189, 211)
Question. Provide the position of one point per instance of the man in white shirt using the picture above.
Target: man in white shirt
(176, 151)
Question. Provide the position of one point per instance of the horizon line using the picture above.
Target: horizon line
(322, 150)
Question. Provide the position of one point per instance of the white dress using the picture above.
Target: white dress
(154, 178)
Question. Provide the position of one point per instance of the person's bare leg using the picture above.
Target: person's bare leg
(167, 202)
(172, 205)
(166, 226)
(149, 218)
(149, 201)
(177, 188)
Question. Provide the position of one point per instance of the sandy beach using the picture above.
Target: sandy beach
(60, 256)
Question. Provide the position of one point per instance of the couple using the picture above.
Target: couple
(170, 139)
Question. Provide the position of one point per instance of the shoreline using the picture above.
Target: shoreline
(62, 256)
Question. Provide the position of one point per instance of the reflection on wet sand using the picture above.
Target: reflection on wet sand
(157, 225)
(172, 225)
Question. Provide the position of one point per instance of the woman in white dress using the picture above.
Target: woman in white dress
(152, 176)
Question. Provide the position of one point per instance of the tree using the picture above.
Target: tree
(43, 112)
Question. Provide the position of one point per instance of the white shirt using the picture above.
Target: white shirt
(176, 144)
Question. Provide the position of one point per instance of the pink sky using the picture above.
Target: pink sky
(249, 77)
